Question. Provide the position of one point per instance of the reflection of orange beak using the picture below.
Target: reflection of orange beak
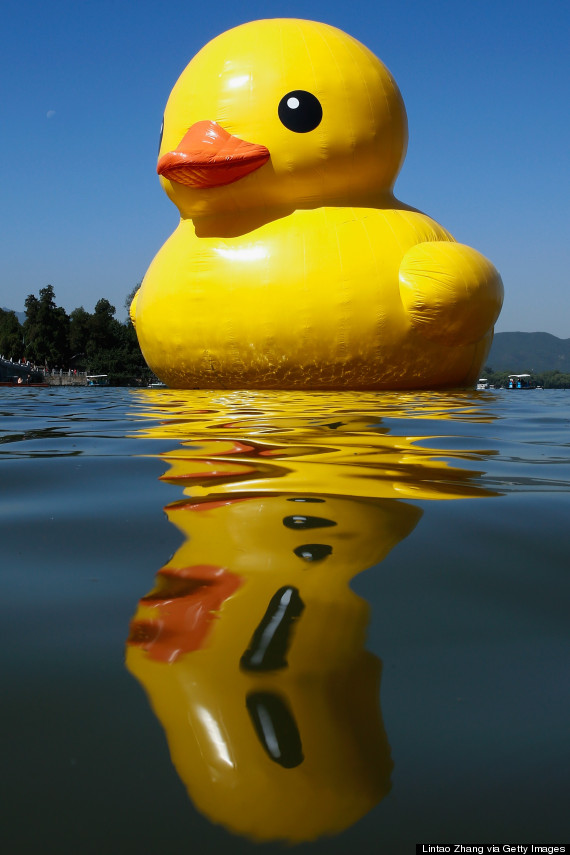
(185, 602)
(208, 156)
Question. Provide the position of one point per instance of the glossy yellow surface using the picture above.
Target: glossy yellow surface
(246, 464)
(307, 272)
(290, 448)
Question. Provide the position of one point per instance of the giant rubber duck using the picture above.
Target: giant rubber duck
(294, 266)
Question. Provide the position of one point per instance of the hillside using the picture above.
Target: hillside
(20, 315)
(521, 352)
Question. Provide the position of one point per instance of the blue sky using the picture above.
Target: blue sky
(486, 88)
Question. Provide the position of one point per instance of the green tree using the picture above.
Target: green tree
(79, 333)
(104, 328)
(113, 348)
(11, 334)
(46, 329)
(130, 297)
(96, 341)
(31, 328)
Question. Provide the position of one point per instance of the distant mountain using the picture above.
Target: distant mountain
(20, 315)
(522, 352)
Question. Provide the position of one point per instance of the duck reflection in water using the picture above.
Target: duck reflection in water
(251, 646)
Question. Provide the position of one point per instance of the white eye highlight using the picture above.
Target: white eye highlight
(293, 103)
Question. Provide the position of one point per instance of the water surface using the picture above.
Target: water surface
(238, 619)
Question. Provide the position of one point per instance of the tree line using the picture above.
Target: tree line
(95, 342)
(546, 379)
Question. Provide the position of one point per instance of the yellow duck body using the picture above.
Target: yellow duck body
(294, 266)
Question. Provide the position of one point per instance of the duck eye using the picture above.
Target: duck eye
(300, 111)
(160, 137)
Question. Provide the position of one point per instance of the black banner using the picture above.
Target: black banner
(489, 848)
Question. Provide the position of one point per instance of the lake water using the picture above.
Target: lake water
(236, 619)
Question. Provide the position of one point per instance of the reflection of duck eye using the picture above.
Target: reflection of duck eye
(300, 111)
(305, 499)
(313, 551)
(160, 137)
(301, 522)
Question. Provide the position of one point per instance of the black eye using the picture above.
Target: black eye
(160, 137)
(300, 111)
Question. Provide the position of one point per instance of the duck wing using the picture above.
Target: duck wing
(451, 292)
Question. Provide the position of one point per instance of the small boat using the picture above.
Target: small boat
(97, 380)
(520, 381)
(156, 384)
(482, 383)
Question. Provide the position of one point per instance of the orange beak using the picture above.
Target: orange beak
(208, 156)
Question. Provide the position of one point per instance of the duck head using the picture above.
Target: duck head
(281, 112)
